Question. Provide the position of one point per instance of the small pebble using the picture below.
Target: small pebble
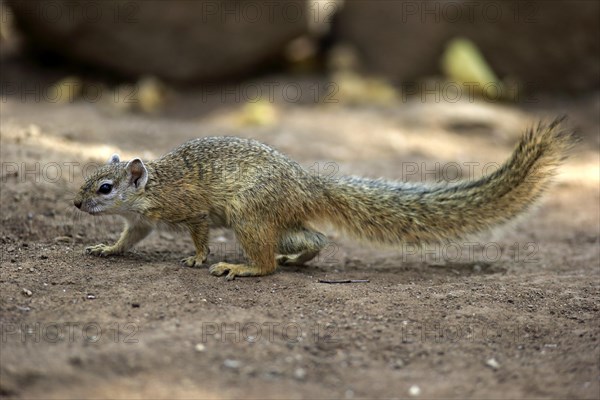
(414, 390)
(233, 364)
(200, 347)
(492, 363)
(27, 292)
(300, 374)
(90, 296)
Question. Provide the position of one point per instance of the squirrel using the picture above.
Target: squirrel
(272, 203)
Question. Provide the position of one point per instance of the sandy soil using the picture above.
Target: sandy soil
(514, 315)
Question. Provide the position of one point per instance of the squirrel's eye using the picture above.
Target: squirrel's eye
(105, 188)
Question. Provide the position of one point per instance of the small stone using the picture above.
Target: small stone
(75, 360)
(414, 391)
(476, 268)
(90, 296)
(200, 347)
(135, 305)
(27, 292)
(300, 373)
(492, 363)
(233, 364)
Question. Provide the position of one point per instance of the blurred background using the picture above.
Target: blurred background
(331, 51)
(95, 71)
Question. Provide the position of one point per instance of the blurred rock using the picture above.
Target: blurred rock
(389, 40)
(176, 40)
(543, 45)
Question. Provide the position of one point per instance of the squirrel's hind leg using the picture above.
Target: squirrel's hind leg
(298, 246)
(259, 246)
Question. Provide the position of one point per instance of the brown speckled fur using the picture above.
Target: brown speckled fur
(271, 202)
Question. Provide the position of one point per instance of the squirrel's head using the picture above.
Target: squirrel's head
(114, 188)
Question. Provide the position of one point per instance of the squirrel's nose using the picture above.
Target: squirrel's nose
(77, 203)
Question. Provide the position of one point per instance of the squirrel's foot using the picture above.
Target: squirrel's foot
(102, 250)
(234, 270)
(194, 261)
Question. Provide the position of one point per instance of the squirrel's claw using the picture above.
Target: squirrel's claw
(219, 269)
(188, 261)
(193, 261)
(101, 250)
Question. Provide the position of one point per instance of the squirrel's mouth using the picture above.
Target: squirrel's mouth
(90, 210)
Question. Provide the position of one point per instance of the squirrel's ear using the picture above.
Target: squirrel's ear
(137, 173)
(114, 159)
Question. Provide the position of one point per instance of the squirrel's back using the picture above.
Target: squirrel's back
(231, 176)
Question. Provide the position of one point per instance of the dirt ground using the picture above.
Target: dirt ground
(510, 314)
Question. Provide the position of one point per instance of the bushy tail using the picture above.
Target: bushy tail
(389, 212)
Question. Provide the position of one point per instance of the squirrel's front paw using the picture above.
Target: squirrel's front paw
(193, 261)
(102, 250)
